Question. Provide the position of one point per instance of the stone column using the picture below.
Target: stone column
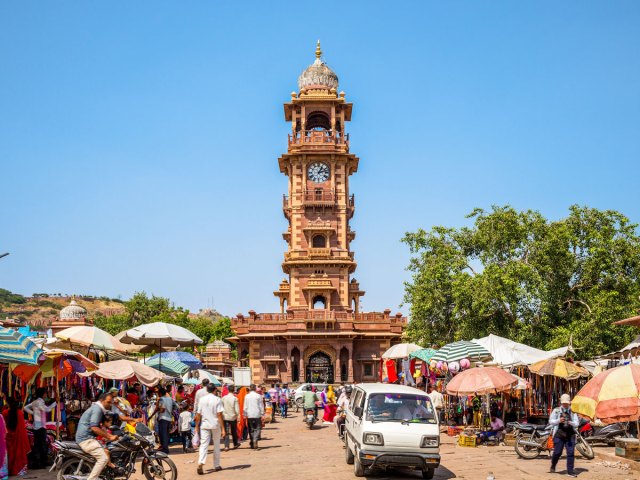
(350, 371)
(337, 374)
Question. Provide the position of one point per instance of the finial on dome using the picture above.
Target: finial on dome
(318, 50)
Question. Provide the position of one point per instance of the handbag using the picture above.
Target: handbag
(195, 440)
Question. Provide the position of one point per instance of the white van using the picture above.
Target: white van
(391, 426)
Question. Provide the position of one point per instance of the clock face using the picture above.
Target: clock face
(318, 172)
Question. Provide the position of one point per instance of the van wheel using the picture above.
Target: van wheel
(358, 468)
(427, 473)
(348, 454)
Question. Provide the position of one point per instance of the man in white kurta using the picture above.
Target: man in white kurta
(210, 427)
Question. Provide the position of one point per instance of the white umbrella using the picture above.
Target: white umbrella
(401, 350)
(161, 334)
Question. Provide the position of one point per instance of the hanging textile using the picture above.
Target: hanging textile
(391, 371)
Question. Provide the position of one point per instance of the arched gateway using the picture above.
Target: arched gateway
(319, 368)
(320, 334)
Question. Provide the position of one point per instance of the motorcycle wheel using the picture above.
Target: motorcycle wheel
(585, 449)
(72, 467)
(310, 425)
(162, 469)
(525, 451)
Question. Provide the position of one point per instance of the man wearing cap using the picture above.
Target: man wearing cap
(121, 409)
(564, 423)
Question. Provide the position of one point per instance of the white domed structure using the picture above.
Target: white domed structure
(72, 315)
(318, 74)
(73, 311)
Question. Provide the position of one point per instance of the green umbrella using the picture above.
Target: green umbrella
(425, 354)
(453, 352)
(171, 367)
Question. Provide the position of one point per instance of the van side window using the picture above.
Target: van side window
(355, 399)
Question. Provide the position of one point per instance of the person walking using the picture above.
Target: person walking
(254, 413)
(210, 427)
(165, 407)
(230, 414)
(273, 399)
(184, 423)
(564, 423)
(38, 410)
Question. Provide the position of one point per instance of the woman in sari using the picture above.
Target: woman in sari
(329, 404)
(17, 440)
(242, 429)
(4, 459)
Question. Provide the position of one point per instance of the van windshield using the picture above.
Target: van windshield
(400, 407)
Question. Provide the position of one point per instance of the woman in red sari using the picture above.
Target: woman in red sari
(241, 420)
(17, 440)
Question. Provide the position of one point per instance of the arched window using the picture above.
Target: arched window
(318, 121)
(319, 241)
(319, 303)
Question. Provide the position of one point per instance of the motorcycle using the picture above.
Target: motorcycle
(607, 434)
(531, 440)
(71, 460)
(310, 418)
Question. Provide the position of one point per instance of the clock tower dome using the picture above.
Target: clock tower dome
(318, 206)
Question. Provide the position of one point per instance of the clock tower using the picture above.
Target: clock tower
(320, 335)
(318, 206)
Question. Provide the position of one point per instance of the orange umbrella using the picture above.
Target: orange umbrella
(612, 396)
(481, 381)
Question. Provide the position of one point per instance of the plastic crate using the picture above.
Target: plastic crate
(453, 431)
(466, 441)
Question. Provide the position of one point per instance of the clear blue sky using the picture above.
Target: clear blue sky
(139, 140)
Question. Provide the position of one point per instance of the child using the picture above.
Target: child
(107, 422)
(185, 426)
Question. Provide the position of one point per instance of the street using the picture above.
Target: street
(290, 450)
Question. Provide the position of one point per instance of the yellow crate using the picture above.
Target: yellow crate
(466, 441)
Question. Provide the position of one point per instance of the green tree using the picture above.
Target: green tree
(518, 275)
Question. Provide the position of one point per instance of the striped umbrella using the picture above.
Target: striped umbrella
(185, 357)
(169, 366)
(424, 354)
(16, 348)
(557, 367)
(612, 396)
(453, 352)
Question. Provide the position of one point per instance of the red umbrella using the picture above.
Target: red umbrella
(481, 381)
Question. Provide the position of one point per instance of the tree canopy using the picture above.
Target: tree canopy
(141, 309)
(521, 276)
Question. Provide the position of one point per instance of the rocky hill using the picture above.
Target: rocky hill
(40, 309)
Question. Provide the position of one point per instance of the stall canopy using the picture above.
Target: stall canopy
(456, 351)
(401, 350)
(199, 375)
(631, 349)
(170, 366)
(126, 370)
(507, 353)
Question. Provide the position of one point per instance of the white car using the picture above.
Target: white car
(391, 426)
(298, 392)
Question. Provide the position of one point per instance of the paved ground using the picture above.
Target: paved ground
(289, 450)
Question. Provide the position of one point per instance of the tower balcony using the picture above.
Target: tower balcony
(319, 140)
(319, 199)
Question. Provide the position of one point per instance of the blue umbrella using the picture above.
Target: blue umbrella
(16, 348)
(185, 357)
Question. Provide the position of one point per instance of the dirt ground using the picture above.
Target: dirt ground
(290, 451)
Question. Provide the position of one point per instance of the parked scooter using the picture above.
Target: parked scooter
(531, 440)
(606, 434)
(310, 418)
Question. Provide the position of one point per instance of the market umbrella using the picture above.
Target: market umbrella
(453, 352)
(424, 354)
(57, 363)
(170, 366)
(162, 335)
(17, 348)
(558, 367)
(185, 357)
(127, 369)
(611, 396)
(401, 350)
(481, 381)
(91, 336)
(131, 348)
